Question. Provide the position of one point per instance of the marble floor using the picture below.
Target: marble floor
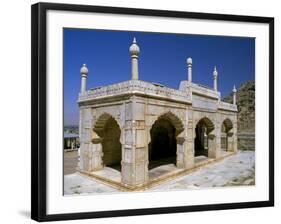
(236, 170)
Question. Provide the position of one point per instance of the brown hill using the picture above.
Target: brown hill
(246, 115)
(246, 106)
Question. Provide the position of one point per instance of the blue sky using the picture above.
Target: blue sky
(162, 59)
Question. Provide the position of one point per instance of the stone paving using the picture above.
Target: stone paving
(235, 170)
(70, 161)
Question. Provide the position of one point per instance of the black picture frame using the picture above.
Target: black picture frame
(39, 108)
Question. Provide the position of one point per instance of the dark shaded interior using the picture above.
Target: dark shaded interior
(111, 146)
(163, 145)
(201, 139)
(225, 130)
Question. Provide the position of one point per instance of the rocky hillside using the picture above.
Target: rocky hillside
(246, 106)
(246, 114)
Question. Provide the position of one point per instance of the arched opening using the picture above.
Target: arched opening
(202, 130)
(163, 145)
(109, 132)
(226, 134)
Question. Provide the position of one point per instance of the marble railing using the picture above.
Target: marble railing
(227, 106)
(205, 91)
(135, 86)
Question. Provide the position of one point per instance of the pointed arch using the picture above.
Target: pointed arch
(203, 129)
(226, 135)
(101, 122)
(108, 131)
(162, 148)
(227, 124)
(175, 120)
(208, 123)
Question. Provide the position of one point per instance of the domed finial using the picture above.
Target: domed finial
(189, 61)
(215, 72)
(234, 89)
(134, 51)
(84, 70)
(84, 73)
(134, 48)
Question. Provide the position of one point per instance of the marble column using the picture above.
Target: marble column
(212, 150)
(187, 161)
(235, 136)
(229, 137)
(90, 151)
(214, 140)
(135, 148)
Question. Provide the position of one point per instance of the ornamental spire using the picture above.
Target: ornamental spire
(134, 51)
(234, 89)
(234, 95)
(189, 69)
(215, 76)
(84, 72)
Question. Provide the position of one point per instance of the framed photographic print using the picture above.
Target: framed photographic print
(138, 111)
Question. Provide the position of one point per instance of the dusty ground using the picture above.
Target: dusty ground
(236, 170)
(70, 162)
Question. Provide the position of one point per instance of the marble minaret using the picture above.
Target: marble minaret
(234, 95)
(84, 73)
(134, 51)
(189, 69)
(215, 76)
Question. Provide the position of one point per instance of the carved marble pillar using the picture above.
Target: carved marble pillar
(230, 140)
(135, 148)
(97, 153)
(87, 158)
(186, 144)
(185, 153)
(212, 150)
(214, 141)
(180, 152)
(235, 137)
(218, 141)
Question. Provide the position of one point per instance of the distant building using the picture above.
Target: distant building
(71, 141)
(138, 125)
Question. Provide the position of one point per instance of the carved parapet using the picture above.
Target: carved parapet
(227, 106)
(135, 87)
(204, 91)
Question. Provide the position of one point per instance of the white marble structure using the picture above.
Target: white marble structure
(127, 123)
